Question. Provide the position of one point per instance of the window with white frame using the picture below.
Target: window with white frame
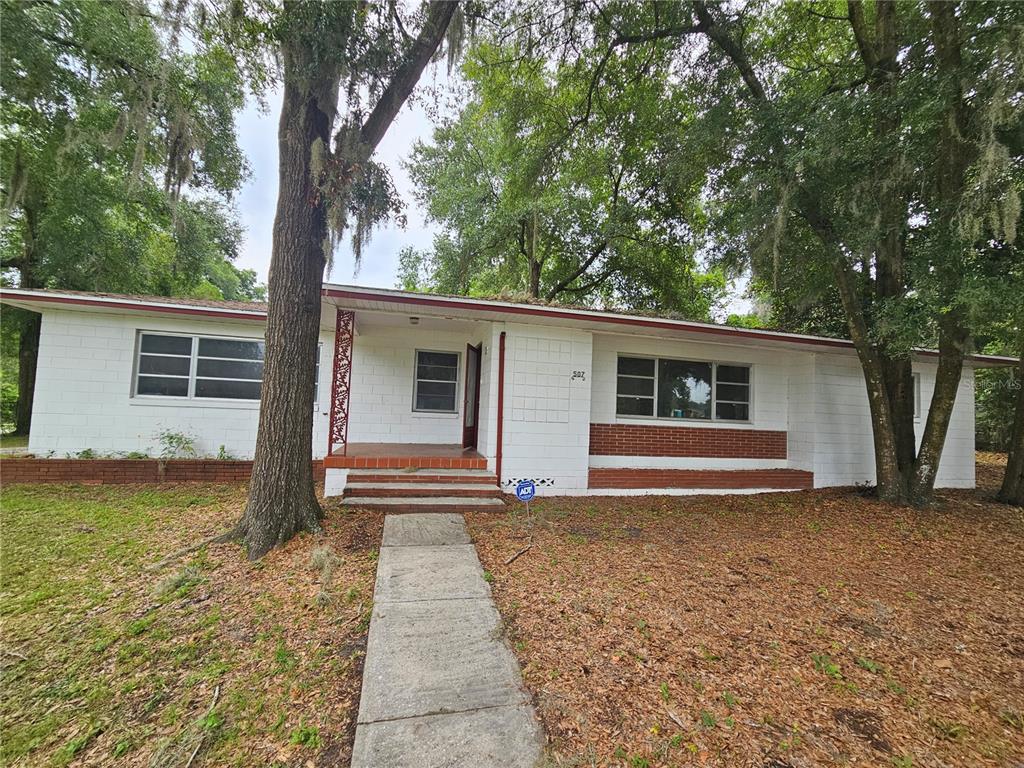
(207, 367)
(682, 389)
(436, 382)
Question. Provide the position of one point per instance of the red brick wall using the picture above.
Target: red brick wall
(120, 471)
(703, 442)
(700, 478)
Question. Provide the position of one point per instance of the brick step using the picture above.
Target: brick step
(412, 490)
(403, 462)
(420, 504)
(453, 476)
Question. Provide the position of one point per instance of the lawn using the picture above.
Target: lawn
(795, 629)
(106, 661)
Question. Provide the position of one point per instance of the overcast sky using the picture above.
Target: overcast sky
(258, 138)
(379, 268)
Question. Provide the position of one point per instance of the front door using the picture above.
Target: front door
(471, 401)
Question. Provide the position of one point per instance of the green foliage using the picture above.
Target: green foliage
(176, 445)
(306, 736)
(530, 174)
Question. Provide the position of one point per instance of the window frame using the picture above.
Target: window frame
(713, 419)
(193, 358)
(416, 381)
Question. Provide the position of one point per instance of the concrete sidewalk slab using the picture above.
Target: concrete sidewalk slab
(424, 529)
(500, 737)
(427, 657)
(440, 686)
(429, 573)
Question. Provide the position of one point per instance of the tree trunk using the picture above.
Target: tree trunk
(282, 500)
(890, 482)
(28, 357)
(1012, 491)
(953, 340)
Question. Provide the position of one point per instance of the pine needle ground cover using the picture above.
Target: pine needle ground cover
(210, 659)
(795, 629)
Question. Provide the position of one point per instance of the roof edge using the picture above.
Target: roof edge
(339, 291)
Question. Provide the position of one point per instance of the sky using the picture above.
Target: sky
(258, 198)
(379, 267)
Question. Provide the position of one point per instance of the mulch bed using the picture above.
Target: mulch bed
(794, 629)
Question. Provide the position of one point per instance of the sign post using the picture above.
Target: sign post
(526, 490)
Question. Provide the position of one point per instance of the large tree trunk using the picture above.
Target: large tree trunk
(1012, 491)
(282, 500)
(953, 341)
(28, 357)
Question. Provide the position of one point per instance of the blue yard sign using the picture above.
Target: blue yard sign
(526, 490)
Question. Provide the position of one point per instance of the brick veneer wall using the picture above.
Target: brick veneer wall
(703, 442)
(701, 478)
(122, 471)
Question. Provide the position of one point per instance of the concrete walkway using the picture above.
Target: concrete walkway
(440, 686)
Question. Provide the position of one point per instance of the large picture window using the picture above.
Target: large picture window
(682, 389)
(199, 367)
(437, 375)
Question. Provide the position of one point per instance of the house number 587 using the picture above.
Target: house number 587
(581, 375)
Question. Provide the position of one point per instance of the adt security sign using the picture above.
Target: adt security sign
(526, 490)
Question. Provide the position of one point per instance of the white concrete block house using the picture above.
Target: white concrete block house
(416, 388)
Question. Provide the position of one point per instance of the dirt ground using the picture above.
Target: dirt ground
(792, 629)
(211, 660)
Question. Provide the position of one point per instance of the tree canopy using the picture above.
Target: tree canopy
(541, 192)
(120, 154)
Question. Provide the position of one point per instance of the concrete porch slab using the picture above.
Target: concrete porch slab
(500, 737)
(430, 657)
(429, 573)
(424, 529)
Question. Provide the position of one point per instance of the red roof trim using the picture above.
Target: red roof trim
(139, 306)
(729, 332)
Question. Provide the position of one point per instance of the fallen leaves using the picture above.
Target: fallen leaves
(813, 628)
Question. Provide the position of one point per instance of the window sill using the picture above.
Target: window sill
(434, 415)
(664, 420)
(191, 402)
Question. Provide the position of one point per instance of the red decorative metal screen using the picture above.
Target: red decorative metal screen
(341, 383)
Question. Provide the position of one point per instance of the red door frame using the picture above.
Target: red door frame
(469, 434)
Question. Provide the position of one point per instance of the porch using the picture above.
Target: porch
(406, 456)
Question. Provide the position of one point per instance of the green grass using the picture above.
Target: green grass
(13, 441)
(68, 610)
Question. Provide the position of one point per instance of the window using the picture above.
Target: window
(682, 389)
(199, 367)
(916, 377)
(437, 375)
(316, 376)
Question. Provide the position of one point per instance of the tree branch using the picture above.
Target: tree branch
(732, 49)
(439, 15)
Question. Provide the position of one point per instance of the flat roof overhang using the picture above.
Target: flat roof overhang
(463, 308)
(458, 307)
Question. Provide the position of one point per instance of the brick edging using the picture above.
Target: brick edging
(124, 471)
(686, 441)
(729, 479)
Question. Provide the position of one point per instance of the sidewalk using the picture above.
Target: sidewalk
(440, 687)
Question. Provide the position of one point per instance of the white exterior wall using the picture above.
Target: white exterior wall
(547, 411)
(845, 452)
(84, 385)
(383, 371)
(769, 399)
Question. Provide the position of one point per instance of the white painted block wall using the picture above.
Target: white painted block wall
(844, 453)
(84, 385)
(547, 410)
(383, 370)
(769, 407)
